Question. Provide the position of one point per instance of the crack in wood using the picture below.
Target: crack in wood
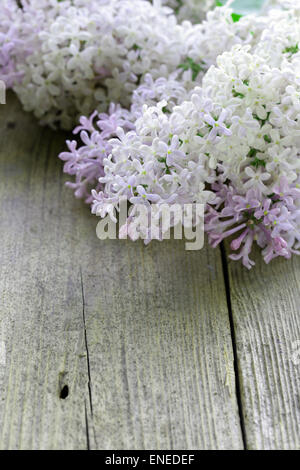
(234, 348)
(86, 345)
(88, 446)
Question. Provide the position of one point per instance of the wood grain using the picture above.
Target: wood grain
(160, 349)
(266, 315)
(140, 336)
(41, 306)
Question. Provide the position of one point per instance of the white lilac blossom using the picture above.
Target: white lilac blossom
(70, 57)
(86, 162)
(279, 42)
(204, 43)
(192, 10)
(257, 168)
(232, 145)
(85, 55)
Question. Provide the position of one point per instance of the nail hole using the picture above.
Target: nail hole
(64, 392)
(11, 125)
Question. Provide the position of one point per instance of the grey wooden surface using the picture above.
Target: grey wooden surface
(266, 314)
(113, 345)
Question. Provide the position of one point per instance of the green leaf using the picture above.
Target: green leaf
(236, 17)
(291, 50)
(257, 162)
(262, 121)
(252, 152)
(237, 95)
(267, 139)
(189, 64)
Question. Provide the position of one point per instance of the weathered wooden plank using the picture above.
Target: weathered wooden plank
(266, 308)
(41, 321)
(160, 348)
(141, 336)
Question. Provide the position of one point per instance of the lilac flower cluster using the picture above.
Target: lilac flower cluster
(192, 10)
(87, 162)
(9, 41)
(69, 57)
(180, 112)
(272, 222)
(231, 143)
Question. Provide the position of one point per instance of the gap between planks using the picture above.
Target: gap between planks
(234, 346)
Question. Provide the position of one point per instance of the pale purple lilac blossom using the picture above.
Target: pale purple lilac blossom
(272, 222)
